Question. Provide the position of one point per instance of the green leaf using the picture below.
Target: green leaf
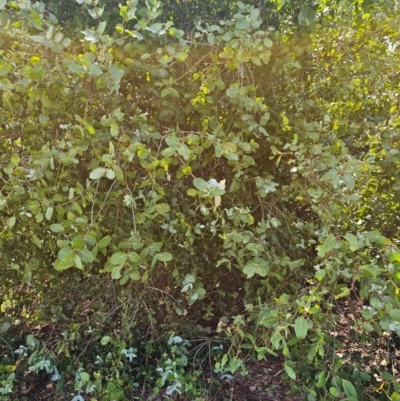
(101, 28)
(349, 389)
(184, 151)
(5, 68)
(49, 213)
(218, 150)
(123, 12)
(196, 295)
(353, 241)
(116, 73)
(95, 70)
(327, 246)
(116, 272)
(37, 242)
(104, 242)
(234, 364)
(164, 256)
(162, 208)
(173, 142)
(374, 237)
(135, 275)
(118, 258)
(169, 91)
(11, 221)
(349, 181)
(78, 262)
(37, 72)
(200, 184)
(97, 173)
(268, 42)
(321, 380)
(226, 55)
(180, 56)
(301, 327)
(192, 192)
(334, 392)
(371, 270)
(66, 253)
(86, 256)
(118, 172)
(233, 91)
(89, 240)
(341, 291)
(168, 152)
(177, 33)
(395, 314)
(155, 28)
(394, 256)
(229, 147)
(106, 339)
(110, 174)
(56, 228)
(242, 24)
(61, 265)
(76, 68)
(290, 372)
(320, 274)
(253, 268)
(134, 257)
(388, 377)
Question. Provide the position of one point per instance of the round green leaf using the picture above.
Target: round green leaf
(86, 256)
(200, 184)
(173, 142)
(66, 253)
(97, 173)
(104, 242)
(134, 257)
(56, 228)
(118, 258)
(163, 208)
(192, 192)
(164, 256)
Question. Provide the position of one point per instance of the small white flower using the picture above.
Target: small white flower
(214, 183)
(21, 350)
(129, 354)
(91, 388)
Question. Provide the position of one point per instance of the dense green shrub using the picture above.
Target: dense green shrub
(232, 185)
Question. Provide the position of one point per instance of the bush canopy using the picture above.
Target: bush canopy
(226, 181)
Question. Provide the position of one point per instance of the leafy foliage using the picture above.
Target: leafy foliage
(234, 184)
